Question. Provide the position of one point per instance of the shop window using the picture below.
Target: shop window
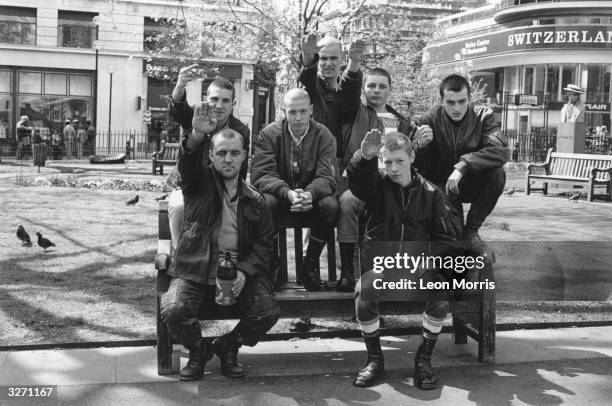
(76, 29)
(17, 25)
(55, 83)
(552, 83)
(30, 82)
(80, 85)
(528, 88)
(5, 82)
(569, 76)
(598, 83)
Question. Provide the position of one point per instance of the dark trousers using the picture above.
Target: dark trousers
(321, 218)
(482, 190)
(256, 304)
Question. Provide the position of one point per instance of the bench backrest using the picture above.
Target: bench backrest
(579, 165)
(170, 151)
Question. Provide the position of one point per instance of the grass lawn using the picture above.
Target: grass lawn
(97, 284)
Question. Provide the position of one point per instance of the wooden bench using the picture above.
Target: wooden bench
(577, 169)
(167, 155)
(474, 318)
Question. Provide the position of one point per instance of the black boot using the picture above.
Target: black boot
(375, 365)
(198, 357)
(347, 271)
(424, 375)
(226, 348)
(310, 278)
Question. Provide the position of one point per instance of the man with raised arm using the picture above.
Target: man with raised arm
(335, 98)
(402, 206)
(221, 97)
(223, 214)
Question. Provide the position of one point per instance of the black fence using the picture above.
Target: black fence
(134, 144)
(531, 146)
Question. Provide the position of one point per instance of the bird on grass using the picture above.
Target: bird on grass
(162, 197)
(132, 201)
(24, 236)
(43, 242)
(575, 197)
(510, 192)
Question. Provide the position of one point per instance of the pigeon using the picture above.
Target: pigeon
(575, 197)
(132, 201)
(162, 197)
(43, 242)
(24, 236)
(510, 192)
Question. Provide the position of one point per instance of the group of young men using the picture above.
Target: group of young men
(331, 159)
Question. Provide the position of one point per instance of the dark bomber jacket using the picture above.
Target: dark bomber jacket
(202, 192)
(271, 170)
(416, 214)
(475, 145)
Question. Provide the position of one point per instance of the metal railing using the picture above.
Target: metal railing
(530, 146)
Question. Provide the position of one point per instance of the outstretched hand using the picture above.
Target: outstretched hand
(203, 122)
(309, 44)
(371, 144)
(356, 50)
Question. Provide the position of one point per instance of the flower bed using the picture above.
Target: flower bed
(96, 182)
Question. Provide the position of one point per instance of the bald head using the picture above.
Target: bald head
(295, 94)
(330, 43)
(330, 59)
(298, 110)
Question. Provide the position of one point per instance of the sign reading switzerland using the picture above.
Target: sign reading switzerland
(520, 39)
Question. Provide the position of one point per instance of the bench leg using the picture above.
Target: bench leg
(545, 186)
(161, 170)
(154, 168)
(590, 190)
(527, 186)
(331, 256)
(459, 333)
(164, 344)
(282, 252)
(486, 344)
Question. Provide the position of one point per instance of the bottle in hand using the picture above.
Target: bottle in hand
(226, 275)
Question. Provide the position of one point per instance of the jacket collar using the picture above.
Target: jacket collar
(391, 110)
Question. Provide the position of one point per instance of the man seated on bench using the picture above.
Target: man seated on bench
(464, 156)
(376, 113)
(294, 167)
(394, 201)
(223, 214)
(221, 96)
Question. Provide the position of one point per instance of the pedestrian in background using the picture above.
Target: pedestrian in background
(81, 137)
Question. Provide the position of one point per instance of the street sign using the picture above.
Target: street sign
(146, 116)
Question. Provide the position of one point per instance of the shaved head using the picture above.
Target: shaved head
(330, 43)
(294, 95)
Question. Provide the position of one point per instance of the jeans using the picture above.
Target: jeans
(256, 304)
(348, 217)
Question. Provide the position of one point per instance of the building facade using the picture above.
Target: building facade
(88, 60)
(527, 52)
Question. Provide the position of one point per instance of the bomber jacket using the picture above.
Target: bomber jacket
(182, 113)
(475, 144)
(416, 213)
(203, 192)
(333, 108)
(272, 170)
(366, 120)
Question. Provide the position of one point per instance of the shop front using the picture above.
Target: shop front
(47, 96)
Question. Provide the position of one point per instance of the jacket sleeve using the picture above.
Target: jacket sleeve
(246, 139)
(349, 95)
(324, 182)
(308, 76)
(494, 151)
(258, 260)
(364, 179)
(193, 173)
(443, 223)
(181, 112)
(264, 168)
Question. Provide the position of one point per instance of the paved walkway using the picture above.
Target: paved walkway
(570, 366)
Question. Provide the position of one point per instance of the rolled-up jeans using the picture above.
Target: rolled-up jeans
(348, 217)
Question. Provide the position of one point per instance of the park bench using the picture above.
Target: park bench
(167, 155)
(576, 169)
(474, 318)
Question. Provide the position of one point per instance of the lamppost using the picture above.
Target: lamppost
(111, 69)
